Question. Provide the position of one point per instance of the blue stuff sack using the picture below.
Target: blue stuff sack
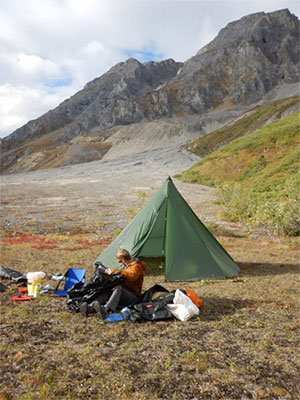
(114, 317)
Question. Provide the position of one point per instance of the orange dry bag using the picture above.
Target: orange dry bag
(194, 297)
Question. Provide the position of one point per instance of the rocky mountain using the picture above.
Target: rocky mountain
(245, 61)
(105, 101)
(136, 106)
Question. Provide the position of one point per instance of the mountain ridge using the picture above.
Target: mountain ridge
(236, 70)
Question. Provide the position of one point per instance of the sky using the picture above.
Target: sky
(49, 49)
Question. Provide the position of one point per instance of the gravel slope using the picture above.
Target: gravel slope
(99, 190)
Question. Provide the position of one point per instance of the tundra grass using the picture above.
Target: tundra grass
(258, 175)
(252, 121)
(244, 344)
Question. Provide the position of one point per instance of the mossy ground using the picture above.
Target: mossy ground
(244, 344)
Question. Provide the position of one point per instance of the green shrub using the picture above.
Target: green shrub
(277, 208)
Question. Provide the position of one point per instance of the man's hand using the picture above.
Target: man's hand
(108, 271)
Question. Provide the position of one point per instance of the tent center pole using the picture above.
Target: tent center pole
(163, 255)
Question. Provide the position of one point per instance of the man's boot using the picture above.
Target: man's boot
(100, 309)
(86, 309)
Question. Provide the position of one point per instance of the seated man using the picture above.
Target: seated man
(127, 293)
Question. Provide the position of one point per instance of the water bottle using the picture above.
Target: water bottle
(125, 313)
(37, 290)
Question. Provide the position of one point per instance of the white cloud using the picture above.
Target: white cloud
(27, 68)
(16, 104)
(50, 49)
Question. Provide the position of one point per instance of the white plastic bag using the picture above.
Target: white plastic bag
(183, 307)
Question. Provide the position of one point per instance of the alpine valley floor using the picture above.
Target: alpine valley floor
(244, 344)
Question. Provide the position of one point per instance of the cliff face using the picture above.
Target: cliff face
(247, 60)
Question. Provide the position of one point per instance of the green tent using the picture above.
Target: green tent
(167, 227)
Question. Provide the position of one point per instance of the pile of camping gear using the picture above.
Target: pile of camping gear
(157, 303)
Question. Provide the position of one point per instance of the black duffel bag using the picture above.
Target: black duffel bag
(99, 282)
(153, 311)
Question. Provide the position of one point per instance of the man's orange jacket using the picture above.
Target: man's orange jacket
(134, 276)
